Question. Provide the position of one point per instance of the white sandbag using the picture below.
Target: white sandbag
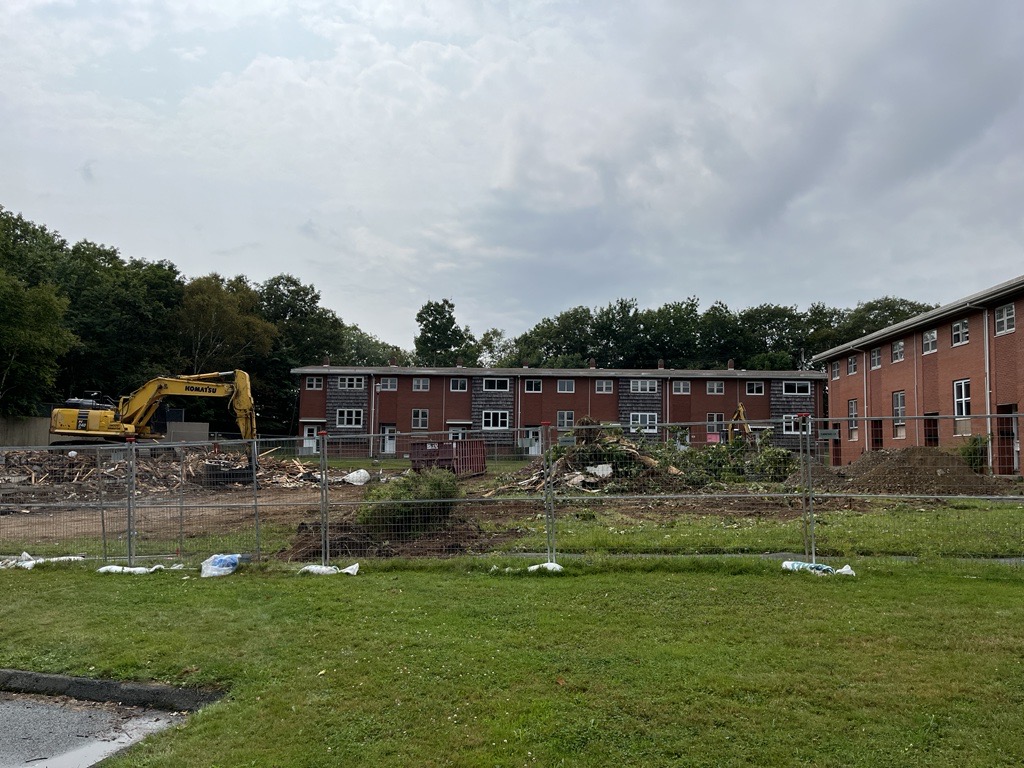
(134, 571)
(553, 567)
(359, 477)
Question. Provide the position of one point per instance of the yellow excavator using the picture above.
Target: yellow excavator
(130, 417)
(739, 427)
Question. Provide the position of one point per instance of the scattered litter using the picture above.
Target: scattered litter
(601, 470)
(219, 565)
(818, 569)
(136, 571)
(359, 477)
(26, 561)
(553, 567)
(329, 570)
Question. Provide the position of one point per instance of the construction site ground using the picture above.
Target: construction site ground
(38, 486)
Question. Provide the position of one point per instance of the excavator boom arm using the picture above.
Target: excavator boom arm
(135, 411)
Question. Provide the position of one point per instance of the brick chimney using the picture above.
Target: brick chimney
(661, 364)
(732, 364)
(593, 363)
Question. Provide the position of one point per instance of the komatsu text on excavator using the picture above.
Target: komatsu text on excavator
(131, 416)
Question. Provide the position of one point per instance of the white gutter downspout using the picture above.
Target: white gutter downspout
(988, 391)
(864, 379)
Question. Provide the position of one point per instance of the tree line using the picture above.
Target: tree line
(78, 318)
(677, 335)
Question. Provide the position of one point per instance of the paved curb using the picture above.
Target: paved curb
(87, 689)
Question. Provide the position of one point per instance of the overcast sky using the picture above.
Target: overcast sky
(522, 158)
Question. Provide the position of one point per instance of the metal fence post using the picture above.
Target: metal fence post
(547, 449)
(254, 466)
(325, 557)
(131, 500)
(102, 501)
(181, 501)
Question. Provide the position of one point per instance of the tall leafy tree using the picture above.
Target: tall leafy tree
(722, 338)
(32, 339)
(218, 327)
(671, 333)
(777, 336)
(874, 315)
(618, 336)
(441, 340)
(563, 341)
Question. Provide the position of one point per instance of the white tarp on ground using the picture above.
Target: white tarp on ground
(25, 560)
(329, 570)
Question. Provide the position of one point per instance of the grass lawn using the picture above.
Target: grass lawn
(653, 662)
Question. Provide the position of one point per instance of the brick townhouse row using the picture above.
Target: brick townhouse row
(934, 380)
(505, 405)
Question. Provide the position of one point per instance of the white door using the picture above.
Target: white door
(533, 441)
(309, 438)
(388, 438)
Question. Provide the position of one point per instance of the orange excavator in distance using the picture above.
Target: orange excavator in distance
(130, 417)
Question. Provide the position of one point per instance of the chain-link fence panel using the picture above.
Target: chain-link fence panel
(792, 485)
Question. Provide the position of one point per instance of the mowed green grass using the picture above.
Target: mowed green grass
(653, 662)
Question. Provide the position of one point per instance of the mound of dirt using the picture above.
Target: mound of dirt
(913, 471)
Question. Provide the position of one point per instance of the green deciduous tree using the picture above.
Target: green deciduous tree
(218, 325)
(441, 340)
(32, 339)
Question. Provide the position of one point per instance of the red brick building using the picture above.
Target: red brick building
(511, 405)
(934, 380)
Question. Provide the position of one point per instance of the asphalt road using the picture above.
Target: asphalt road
(60, 732)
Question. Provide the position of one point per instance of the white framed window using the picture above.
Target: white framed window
(604, 386)
(851, 415)
(566, 386)
(876, 358)
(458, 433)
(716, 387)
(851, 365)
(351, 382)
(533, 385)
(389, 384)
(495, 385)
(897, 351)
(495, 419)
(680, 387)
(350, 418)
(756, 388)
(643, 385)
(791, 424)
(420, 418)
(314, 382)
(715, 422)
(899, 415)
(643, 422)
(929, 341)
(1006, 319)
(835, 369)
(420, 384)
(962, 407)
(459, 385)
(565, 419)
(960, 332)
(796, 387)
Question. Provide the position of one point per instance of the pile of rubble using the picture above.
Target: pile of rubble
(592, 466)
(85, 473)
(911, 471)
